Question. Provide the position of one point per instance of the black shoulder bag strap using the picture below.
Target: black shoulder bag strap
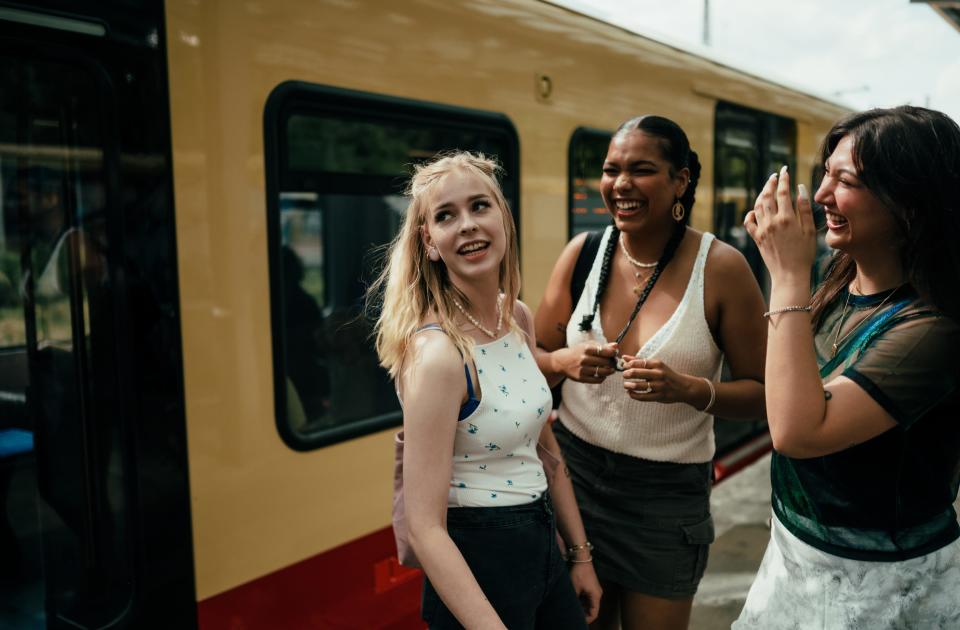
(581, 270)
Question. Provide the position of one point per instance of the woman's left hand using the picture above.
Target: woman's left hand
(587, 587)
(652, 380)
(785, 236)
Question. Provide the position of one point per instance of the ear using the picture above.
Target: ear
(682, 180)
(425, 237)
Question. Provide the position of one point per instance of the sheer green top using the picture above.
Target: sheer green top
(891, 497)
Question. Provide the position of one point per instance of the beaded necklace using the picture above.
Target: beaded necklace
(493, 334)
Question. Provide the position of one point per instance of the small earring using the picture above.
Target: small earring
(678, 211)
(433, 254)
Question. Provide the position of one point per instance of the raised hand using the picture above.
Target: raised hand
(785, 236)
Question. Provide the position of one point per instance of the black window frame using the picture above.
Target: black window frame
(300, 97)
(578, 135)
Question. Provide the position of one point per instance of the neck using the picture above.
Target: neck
(875, 275)
(483, 299)
(647, 247)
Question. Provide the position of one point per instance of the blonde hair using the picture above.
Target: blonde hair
(412, 286)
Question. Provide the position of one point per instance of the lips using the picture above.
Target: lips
(627, 207)
(835, 221)
(473, 248)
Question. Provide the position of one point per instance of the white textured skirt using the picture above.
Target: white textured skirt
(799, 587)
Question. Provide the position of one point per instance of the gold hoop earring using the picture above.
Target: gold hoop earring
(678, 211)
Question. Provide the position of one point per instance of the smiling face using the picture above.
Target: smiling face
(857, 221)
(638, 185)
(465, 223)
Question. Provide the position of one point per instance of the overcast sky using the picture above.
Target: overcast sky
(863, 53)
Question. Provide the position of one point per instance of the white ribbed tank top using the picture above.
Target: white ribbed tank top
(603, 415)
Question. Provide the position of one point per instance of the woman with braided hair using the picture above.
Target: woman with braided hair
(641, 351)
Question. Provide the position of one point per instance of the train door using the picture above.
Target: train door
(749, 146)
(77, 193)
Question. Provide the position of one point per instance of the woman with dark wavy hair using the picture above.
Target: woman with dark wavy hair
(641, 350)
(862, 382)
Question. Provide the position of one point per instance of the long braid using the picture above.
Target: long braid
(587, 322)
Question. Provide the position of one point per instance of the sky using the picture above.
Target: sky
(861, 53)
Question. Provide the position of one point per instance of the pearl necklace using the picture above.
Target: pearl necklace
(493, 334)
(643, 269)
(634, 261)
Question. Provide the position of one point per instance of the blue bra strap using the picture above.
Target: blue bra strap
(467, 408)
(466, 371)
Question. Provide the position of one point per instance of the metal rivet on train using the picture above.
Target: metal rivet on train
(544, 87)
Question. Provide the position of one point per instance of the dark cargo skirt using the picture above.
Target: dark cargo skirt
(649, 521)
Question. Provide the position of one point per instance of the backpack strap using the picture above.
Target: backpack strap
(584, 263)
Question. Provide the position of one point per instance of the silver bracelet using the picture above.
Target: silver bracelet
(713, 395)
(788, 309)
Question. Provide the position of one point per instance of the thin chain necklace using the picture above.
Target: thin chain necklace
(643, 271)
(644, 293)
(493, 334)
(837, 339)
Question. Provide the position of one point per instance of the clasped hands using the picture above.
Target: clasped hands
(648, 380)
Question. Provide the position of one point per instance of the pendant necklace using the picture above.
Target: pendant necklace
(642, 268)
(493, 334)
(837, 339)
(644, 293)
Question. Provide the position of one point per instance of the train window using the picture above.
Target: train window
(749, 145)
(588, 149)
(337, 162)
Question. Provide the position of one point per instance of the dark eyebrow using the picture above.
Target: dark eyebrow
(470, 199)
(826, 166)
(635, 163)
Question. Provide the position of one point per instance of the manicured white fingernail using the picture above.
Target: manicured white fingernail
(772, 176)
(802, 192)
(783, 169)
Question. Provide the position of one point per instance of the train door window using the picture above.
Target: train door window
(749, 145)
(337, 163)
(588, 150)
(63, 471)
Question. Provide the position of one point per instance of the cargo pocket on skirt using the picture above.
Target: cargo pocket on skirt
(698, 536)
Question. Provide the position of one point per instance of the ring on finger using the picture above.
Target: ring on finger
(596, 372)
(647, 389)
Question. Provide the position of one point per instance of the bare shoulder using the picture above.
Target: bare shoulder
(523, 315)
(725, 262)
(432, 357)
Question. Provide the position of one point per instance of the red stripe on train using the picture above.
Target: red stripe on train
(357, 585)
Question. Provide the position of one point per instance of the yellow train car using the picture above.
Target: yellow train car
(194, 431)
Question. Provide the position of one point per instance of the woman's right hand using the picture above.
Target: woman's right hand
(586, 362)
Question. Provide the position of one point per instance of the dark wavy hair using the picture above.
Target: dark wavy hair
(675, 149)
(909, 157)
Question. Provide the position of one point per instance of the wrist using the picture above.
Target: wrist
(792, 283)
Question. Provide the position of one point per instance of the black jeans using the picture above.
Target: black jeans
(513, 554)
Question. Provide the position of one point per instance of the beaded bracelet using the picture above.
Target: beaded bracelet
(586, 546)
(788, 309)
(713, 395)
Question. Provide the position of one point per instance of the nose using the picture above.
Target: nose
(823, 192)
(622, 182)
(468, 224)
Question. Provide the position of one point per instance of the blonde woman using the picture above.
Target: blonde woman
(460, 347)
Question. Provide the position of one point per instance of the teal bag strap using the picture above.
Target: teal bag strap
(862, 340)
